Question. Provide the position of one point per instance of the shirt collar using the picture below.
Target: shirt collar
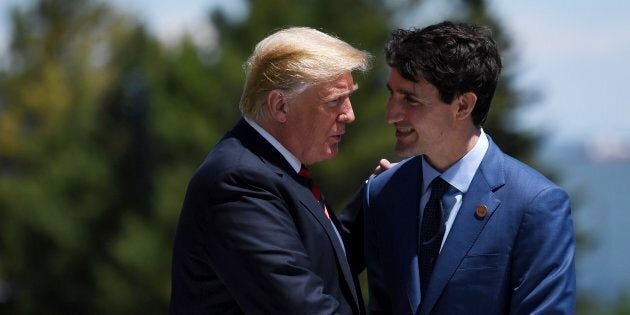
(293, 161)
(460, 174)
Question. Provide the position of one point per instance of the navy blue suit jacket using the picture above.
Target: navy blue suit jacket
(251, 239)
(517, 259)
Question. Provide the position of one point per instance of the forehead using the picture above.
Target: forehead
(343, 84)
(397, 83)
(395, 79)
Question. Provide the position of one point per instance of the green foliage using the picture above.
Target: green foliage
(101, 128)
(76, 227)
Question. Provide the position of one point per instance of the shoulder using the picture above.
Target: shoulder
(400, 174)
(523, 182)
(230, 163)
(525, 176)
(499, 168)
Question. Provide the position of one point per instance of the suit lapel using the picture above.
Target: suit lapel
(271, 157)
(467, 226)
(409, 226)
(340, 253)
(401, 229)
(306, 198)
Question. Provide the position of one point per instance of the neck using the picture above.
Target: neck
(455, 150)
(280, 133)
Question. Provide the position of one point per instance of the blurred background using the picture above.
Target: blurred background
(107, 108)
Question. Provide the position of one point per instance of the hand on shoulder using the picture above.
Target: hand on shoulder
(382, 166)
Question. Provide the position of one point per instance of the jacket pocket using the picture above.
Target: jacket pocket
(482, 261)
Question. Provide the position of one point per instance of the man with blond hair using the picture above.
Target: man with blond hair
(255, 235)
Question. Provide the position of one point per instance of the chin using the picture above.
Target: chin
(333, 150)
(406, 152)
(323, 157)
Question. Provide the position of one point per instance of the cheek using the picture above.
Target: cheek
(323, 125)
(418, 120)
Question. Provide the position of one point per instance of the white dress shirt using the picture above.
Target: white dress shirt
(459, 176)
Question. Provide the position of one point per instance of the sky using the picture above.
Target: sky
(574, 53)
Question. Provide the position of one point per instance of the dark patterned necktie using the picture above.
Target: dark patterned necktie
(431, 232)
(317, 194)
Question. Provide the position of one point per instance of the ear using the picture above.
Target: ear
(277, 106)
(465, 105)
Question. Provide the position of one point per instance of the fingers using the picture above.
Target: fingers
(383, 165)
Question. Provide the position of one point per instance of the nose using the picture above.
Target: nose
(347, 114)
(394, 112)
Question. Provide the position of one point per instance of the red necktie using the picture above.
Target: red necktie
(304, 172)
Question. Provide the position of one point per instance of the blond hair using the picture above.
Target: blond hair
(293, 59)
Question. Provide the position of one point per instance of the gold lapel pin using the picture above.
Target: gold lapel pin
(481, 211)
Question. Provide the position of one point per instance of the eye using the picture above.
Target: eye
(390, 94)
(337, 101)
(412, 101)
(333, 103)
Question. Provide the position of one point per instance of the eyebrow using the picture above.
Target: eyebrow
(407, 93)
(402, 91)
(335, 95)
(355, 87)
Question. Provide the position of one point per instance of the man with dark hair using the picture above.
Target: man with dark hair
(460, 227)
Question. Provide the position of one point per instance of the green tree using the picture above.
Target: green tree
(76, 226)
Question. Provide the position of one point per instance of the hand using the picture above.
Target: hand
(383, 165)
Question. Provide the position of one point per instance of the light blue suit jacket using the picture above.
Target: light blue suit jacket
(517, 259)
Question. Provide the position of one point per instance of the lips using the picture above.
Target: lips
(337, 137)
(339, 133)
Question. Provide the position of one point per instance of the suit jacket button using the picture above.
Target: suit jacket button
(481, 211)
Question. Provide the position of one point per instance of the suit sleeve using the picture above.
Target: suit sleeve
(543, 270)
(256, 251)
